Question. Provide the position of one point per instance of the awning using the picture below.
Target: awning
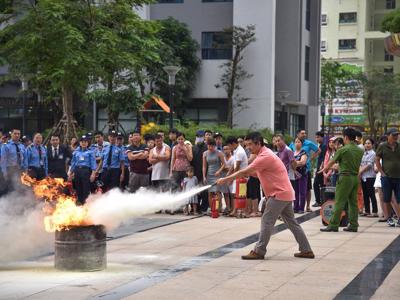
(156, 100)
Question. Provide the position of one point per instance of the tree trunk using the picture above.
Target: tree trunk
(113, 116)
(69, 126)
(371, 114)
(231, 89)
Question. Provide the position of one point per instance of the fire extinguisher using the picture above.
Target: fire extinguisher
(241, 193)
(215, 204)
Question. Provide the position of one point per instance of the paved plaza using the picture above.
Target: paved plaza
(176, 257)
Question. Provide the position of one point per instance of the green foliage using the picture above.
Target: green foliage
(234, 73)
(177, 47)
(391, 22)
(62, 46)
(333, 76)
(190, 131)
(381, 98)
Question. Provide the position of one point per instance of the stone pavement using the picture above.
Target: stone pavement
(200, 259)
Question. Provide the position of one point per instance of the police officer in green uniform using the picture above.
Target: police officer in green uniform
(349, 159)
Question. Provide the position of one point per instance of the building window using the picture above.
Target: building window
(170, 1)
(217, 0)
(216, 45)
(324, 46)
(307, 64)
(297, 122)
(324, 19)
(347, 44)
(345, 18)
(390, 4)
(388, 70)
(308, 15)
(388, 56)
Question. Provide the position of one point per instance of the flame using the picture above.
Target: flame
(60, 209)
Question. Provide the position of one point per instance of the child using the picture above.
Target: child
(189, 183)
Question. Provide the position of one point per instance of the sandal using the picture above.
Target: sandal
(309, 209)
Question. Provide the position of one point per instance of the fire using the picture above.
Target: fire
(60, 209)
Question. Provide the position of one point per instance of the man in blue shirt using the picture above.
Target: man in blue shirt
(113, 163)
(83, 169)
(35, 159)
(120, 143)
(12, 156)
(312, 151)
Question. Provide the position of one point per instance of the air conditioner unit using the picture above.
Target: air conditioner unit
(324, 46)
(324, 19)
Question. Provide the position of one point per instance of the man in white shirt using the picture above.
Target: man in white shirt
(240, 161)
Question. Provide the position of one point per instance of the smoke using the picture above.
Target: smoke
(115, 207)
(22, 233)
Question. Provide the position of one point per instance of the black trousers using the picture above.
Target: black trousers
(37, 173)
(369, 194)
(318, 184)
(110, 178)
(125, 182)
(82, 184)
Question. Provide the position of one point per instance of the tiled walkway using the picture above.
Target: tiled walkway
(180, 248)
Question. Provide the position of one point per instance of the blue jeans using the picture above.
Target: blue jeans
(390, 185)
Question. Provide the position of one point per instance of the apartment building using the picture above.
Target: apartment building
(351, 33)
(284, 61)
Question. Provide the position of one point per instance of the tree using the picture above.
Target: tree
(391, 22)
(177, 47)
(333, 78)
(128, 45)
(234, 72)
(381, 98)
(59, 44)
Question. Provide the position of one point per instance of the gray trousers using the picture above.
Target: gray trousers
(137, 181)
(273, 209)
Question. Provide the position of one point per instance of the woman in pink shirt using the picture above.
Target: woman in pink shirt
(182, 155)
(278, 189)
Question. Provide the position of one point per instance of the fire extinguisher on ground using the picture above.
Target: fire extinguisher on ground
(240, 195)
(215, 204)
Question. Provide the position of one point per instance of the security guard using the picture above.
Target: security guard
(12, 156)
(112, 163)
(120, 143)
(35, 159)
(349, 159)
(83, 169)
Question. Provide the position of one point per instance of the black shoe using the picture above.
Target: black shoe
(349, 229)
(329, 229)
(316, 204)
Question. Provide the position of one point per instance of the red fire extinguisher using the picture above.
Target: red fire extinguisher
(241, 193)
(215, 204)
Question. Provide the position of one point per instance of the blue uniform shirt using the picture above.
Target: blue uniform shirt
(32, 158)
(125, 155)
(308, 147)
(116, 157)
(9, 156)
(83, 158)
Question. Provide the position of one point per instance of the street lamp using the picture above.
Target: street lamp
(171, 71)
(323, 113)
(24, 86)
(283, 95)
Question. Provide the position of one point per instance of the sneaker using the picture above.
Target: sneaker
(308, 254)
(253, 255)
(398, 223)
(391, 222)
(316, 204)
